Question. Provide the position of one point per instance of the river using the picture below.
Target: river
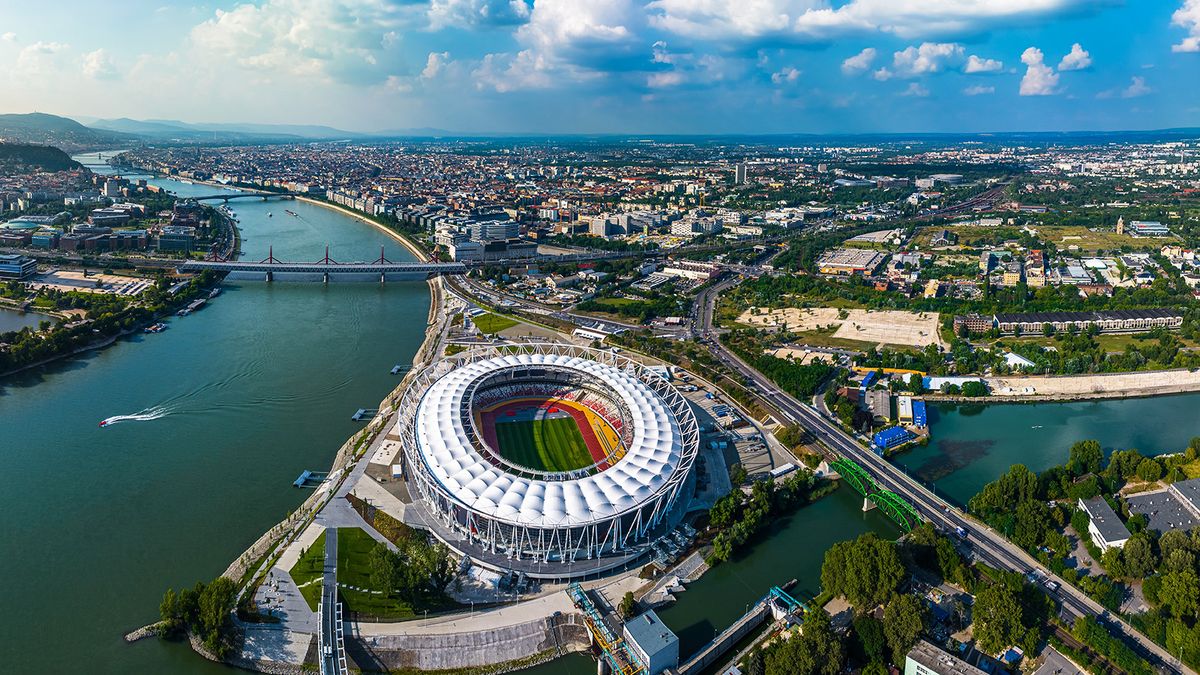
(234, 400)
(973, 445)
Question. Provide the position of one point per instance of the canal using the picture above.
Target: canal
(973, 445)
(230, 404)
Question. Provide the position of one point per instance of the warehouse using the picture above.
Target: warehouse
(848, 262)
(891, 437)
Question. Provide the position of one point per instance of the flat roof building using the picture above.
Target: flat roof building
(17, 267)
(1104, 526)
(850, 261)
(655, 644)
(926, 659)
(1175, 508)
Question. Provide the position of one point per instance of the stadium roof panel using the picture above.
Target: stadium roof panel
(651, 458)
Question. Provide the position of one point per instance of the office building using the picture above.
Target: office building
(1106, 529)
(655, 644)
(17, 267)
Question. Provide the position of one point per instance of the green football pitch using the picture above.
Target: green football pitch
(546, 445)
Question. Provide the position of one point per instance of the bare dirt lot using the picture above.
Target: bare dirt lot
(65, 280)
(912, 329)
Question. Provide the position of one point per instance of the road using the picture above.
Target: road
(987, 545)
(331, 657)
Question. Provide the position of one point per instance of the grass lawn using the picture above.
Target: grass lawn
(310, 567)
(489, 324)
(354, 548)
(548, 445)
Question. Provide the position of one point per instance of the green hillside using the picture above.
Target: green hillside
(22, 158)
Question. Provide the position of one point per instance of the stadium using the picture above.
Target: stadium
(551, 460)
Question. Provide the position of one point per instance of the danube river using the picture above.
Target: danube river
(226, 408)
(973, 445)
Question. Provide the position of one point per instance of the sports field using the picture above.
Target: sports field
(553, 444)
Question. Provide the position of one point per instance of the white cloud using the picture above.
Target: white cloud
(1188, 17)
(340, 40)
(883, 74)
(860, 62)
(99, 65)
(979, 65)
(820, 20)
(670, 78)
(40, 58)
(915, 89)
(569, 40)
(1137, 87)
(435, 63)
(929, 57)
(978, 89)
(787, 75)
(471, 13)
(1077, 59)
(9, 37)
(1039, 79)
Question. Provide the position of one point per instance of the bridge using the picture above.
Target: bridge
(325, 270)
(264, 196)
(892, 504)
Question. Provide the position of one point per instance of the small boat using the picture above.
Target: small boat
(104, 423)
(156, 328)
(291, 212)
(270, 215)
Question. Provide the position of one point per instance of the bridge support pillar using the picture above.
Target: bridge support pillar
(325, 278)
(868, 505)
(270, 276)
(382, 278)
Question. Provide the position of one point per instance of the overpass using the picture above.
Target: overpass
(326, 270)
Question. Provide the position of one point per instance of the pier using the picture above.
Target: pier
(364, 414)
(310, 479)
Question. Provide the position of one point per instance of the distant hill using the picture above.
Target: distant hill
(61, 132)
(21, 158)
(221, 132)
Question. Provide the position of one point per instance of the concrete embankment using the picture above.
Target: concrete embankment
(1046, 388)
(495, 651)
(404, 241)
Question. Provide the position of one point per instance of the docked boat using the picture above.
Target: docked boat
(155, 328)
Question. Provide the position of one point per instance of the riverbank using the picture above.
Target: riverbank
(1064, 388)
(403, 240)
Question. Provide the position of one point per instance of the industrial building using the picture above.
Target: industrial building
(655, 644)
(890, 438)
(1106, 529)
(850, 261)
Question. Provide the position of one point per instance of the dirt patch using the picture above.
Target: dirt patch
(892, 327)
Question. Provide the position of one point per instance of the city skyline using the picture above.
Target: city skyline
(615, 66)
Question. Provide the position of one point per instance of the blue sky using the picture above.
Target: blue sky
(613, 66)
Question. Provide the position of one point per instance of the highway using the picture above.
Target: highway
(987, 545)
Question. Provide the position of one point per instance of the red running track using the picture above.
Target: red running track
(595, 448)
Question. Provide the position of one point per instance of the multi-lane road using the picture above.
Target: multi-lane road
(987, 545)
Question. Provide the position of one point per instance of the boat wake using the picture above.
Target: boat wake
(143, 416)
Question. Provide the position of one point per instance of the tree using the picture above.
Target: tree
(997, 618)
(867, 570)
(1139, 557)
(1149, 470)
(628, 605)
(1086, 457)
(871, 638)
(903, 621)
(817, 650)
(1029, 527)
(213, 619)
(974, 388)
(1180, 593)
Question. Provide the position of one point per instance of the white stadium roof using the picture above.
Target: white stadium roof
(650, 461)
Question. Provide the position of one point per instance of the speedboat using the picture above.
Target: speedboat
(104, 423)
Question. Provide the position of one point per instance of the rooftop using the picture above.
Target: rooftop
(940, 662)
(1104, 519)
(650, 633)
